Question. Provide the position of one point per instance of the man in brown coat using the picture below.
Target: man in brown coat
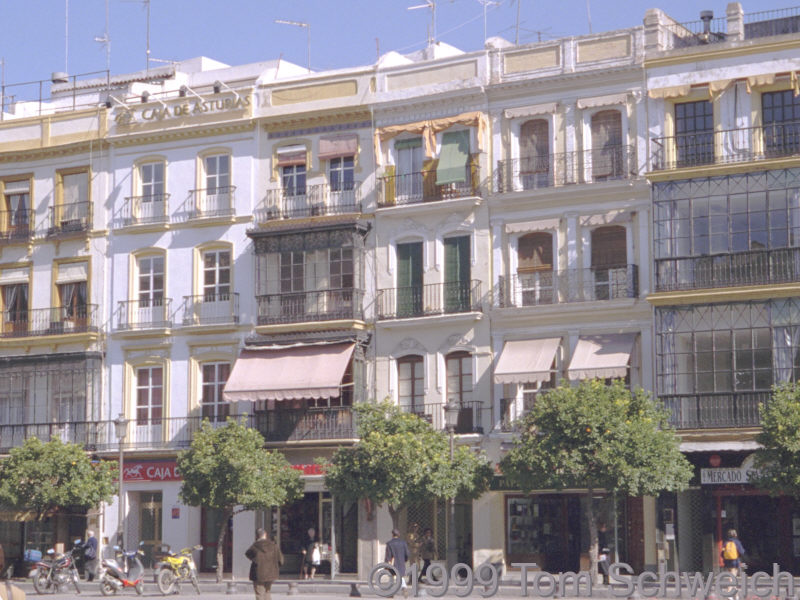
(266, 557)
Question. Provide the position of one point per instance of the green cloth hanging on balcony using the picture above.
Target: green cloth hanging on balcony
(453, 158)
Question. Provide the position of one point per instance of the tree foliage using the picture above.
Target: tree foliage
(229, 469)
(778, 461)
(46, 476)
(401, 460)
(597, 436)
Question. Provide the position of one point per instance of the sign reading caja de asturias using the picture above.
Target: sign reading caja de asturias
(150, 470)
(184, 109)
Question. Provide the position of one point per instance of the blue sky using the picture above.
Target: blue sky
(343, 32)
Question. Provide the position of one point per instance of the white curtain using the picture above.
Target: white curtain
(669, 376)
(784, 349)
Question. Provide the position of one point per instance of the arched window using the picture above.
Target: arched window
(534, 153)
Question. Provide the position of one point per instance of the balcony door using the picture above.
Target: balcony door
(340, 302)
(215, 375)
(215, 305)
(410, 385)
(74, 207)
(218, 185)
(535, 277)
(15, 308)
(607, 158)
(609, 273)
(534, 154)
(16, 222)
(292, 268)
(694, 133)
(781, 117)
(149, 404)
(73, 297)
(151, 310)
(408, 174)
(457, 274)
(151, 206)
(409, 279)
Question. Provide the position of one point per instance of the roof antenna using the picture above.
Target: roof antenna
(431, 4)
(66, 36)
(105, 39)
(516, 33)
(589, 15)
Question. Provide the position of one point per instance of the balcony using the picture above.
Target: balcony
(571, 285)
(412, 188)
(310, 200)
(715, 409)
(15, 225)
(212, 203)
(566, 168)
(300, 424)
(470, 413)
(144, 314)
(753, 267)
(57, 320)
(744, 144)
(211, 309)
(142, 210)
(428, 300)
(68, 219)
(318, 305)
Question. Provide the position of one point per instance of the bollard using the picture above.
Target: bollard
(354, 593)
(230, 587)
(292, 591)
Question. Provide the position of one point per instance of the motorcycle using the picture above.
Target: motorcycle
(54, 574)
(114, 576)
(173, 569)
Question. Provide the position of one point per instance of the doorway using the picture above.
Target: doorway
(150, 513)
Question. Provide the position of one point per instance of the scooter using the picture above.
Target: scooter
(54, 574)
(114, 576)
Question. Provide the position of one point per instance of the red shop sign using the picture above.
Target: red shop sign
(150, 470)
(310, 469)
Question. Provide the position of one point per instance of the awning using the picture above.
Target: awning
(335, 147)
(526, 226)
(602, 356)
(313, 371)
(71, 272)
(720, 446)
(526, 361)
(291, 155)
(453, 159)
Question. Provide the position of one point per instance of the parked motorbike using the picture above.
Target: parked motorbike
(115, 576)
(173, 569)
(53, 575)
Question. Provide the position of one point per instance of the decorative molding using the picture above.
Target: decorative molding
(458, 340)
(287, 133)
(408, 346)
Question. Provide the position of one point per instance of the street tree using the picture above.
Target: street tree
(778, 460)
(228, 468)
(47, 476)
(598, 437)
(401, 460)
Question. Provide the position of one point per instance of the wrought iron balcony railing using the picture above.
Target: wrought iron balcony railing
(56, 320)
(292, 425)
(743, 144)
(411, 188)
(429, 299)
(139, 210)
(70, 218)
(752, 267)
(310, 200)
(15, 225)
(566, 168)
(212, 202)
(715, 409)
(144, 314)
(570, 285)
(470, 415)
(317, 305)
(211, 309)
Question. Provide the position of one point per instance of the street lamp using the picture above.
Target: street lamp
(121, 429)
(451, 410)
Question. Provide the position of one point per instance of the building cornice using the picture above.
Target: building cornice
(720, 51)
(720, 295)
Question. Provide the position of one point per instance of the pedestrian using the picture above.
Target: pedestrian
(266, 559)
(427, 550)
(397, 555)
(603, 551)
(90, 555)
(413, 540)
(308, 568)
(732, 552)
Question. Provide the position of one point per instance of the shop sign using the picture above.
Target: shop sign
(745, 474)
(127, 116)
(310, 469)
(139, 470)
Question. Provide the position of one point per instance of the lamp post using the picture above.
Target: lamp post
(121, 429)
(451, 410)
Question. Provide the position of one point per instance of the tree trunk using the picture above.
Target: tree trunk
(590, 517)
(227, 513)
(395, 514)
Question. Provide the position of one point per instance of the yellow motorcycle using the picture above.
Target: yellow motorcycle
(173, 569)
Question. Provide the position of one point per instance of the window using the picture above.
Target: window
(215, 374)
(15, 307)
(340, 173)
(408, 173)
(458, 367)
(457, 274)
(694, 133)
(341, 267)
(410, 384)
(217, 174)
(68, 389)
(74, 208)
(607, 156)
(534, 154)
(152, 181)
(73, 301)
(294, 180)
(535, 277)
(149, 395)
(216, 275)
(609, 263)
(16, 207)
(13, 391)
(151, 281)
(781, 117)
(292, 268)
(409, 279)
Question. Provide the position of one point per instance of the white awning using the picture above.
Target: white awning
(602, 356)
(598, 101)
(720, 446)
(526, 361)
(17, 187)
(548, 108)
(526, 226)
(313, 371)
(16, 275)
(70, 272)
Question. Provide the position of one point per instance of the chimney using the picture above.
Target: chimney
(705, 17)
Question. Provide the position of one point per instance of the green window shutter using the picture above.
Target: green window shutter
(409, 279)
(453, 158)
(457, 273)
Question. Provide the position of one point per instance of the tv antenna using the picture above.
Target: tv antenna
(66, 36)
(105, 40)
(431, 4)
(146, 6)
(486, 3)
(308, 36)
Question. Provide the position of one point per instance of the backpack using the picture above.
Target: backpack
(730, 551)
